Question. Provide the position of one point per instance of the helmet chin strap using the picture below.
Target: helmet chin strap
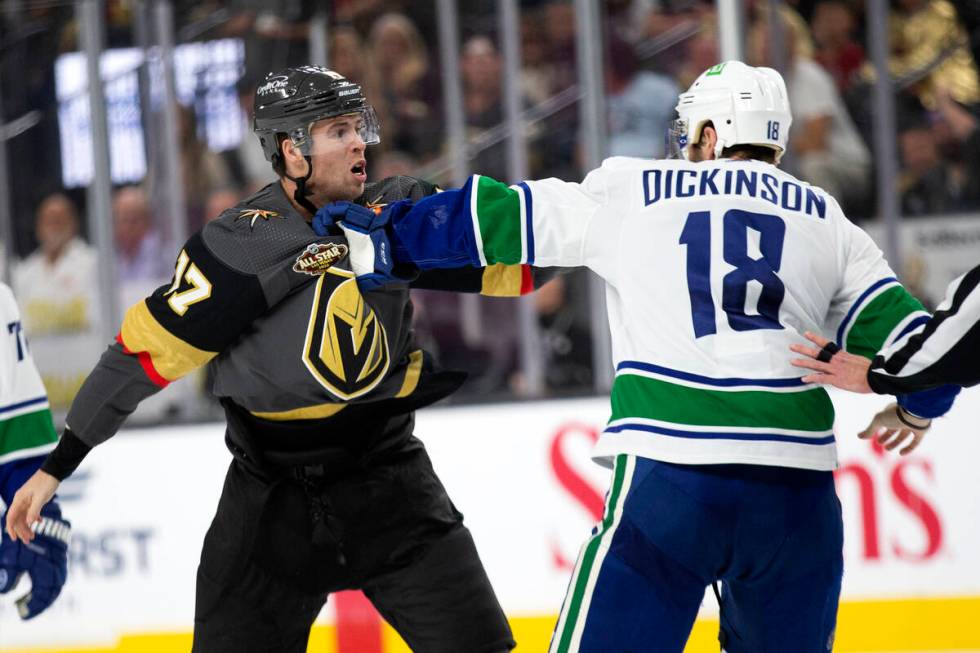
(302, 193)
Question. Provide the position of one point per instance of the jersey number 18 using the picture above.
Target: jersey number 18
(735, 225)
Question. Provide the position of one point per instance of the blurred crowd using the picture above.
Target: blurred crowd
(653, 49)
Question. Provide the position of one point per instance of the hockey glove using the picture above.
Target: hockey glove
(325, 221)
(45, 560)
(371, 252)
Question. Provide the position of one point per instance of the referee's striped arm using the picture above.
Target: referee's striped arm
(947, 350)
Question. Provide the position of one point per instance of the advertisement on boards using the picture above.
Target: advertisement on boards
(522, 476)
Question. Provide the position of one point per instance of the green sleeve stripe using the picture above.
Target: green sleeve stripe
(648, 398)
(498, 212)
(27, 431)
(878, 319)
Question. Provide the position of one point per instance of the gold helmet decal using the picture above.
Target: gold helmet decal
(346, 347)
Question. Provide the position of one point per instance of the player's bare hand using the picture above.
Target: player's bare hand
(891, 431)
(842, 370)
(25, 509)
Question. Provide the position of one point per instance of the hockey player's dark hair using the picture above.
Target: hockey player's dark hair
(755, 152)
(278, 160)
(744, 151)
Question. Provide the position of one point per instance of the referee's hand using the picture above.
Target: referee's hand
(843, 370)
(893, 427)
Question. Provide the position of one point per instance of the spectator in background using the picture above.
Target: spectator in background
(202, 170)
(701, 51)
(536, 81)
(566, 346)
(480, 68)
(927, 183)
(350, 58)
(276, 32)
(640, 104)
(833, 27)
(559, 25)
(140, 266)
(963, 133)
(687, 18)
(930, 50)
(556, 152)
(219, 201)
(407, 93)
(57, 286)
(480, 341)
(826, 149)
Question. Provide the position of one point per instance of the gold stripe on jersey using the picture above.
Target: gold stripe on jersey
(412, 374)
(309, 412)
(340, 272)
(501, 280)
(172, 358)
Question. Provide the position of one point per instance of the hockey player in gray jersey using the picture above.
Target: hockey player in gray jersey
(328, 489)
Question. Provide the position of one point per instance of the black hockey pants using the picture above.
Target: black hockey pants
(278, 546)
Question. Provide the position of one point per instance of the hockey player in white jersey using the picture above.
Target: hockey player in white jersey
(26, 436)
(722, 456)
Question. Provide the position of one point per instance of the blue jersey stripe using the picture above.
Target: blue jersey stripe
(793, 382)
(912, 326)
(529, 215)
(698, 435)
(856, 305)
(23, 404)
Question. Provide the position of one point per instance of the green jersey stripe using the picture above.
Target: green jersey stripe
(584, 574)
(878, 319)
(644, 397)
(498, 210)
(27, 431)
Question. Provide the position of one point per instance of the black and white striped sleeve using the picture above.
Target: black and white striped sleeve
(946, 350)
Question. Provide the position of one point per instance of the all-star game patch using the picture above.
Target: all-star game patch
(317, 258)
(255, 214)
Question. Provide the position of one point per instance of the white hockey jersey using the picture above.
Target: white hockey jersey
(26, 429)
(712, 269)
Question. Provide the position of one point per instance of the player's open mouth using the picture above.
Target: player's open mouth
(359, 170)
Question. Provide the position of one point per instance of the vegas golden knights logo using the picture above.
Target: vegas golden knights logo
(346, 347)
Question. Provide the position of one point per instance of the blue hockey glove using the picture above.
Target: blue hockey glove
(371, 252)
(45, 560)
(327, 217)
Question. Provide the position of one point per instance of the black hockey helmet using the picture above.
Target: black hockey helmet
(291, 100)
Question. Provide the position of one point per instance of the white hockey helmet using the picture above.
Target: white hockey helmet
(746, 105)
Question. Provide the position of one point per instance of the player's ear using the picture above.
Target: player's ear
(709, 138)
(292, 157)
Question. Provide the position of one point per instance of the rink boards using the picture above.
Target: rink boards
(521, 475)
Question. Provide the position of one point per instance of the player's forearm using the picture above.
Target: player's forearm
(112, 391)
(66, 457)
(477, 225)
(944, 350)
